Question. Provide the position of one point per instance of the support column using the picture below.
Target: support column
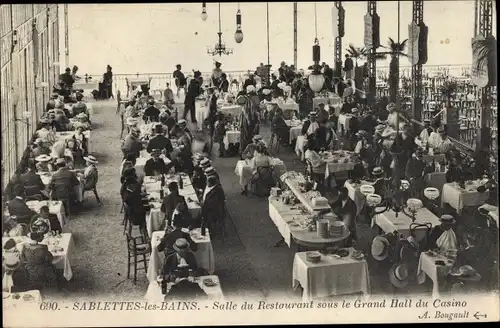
(484, 27)
(416, 70)
(338, 38)
(66, 35)
(295, 35)
(372, 60)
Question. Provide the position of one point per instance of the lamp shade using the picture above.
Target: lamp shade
(316, 81)
(373, 200)
(414, 204)
(367, 189)
(238, 36)
(431, 193)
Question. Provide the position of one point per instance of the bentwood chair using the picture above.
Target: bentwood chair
(138, 250)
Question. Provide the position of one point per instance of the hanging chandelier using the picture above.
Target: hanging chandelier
(316, 78)
(219, 48)
(238, 35)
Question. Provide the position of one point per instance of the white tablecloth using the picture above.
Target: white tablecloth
(234, 110)
(356, 195)
(141, 162)
(285, 106)
(388, 222)
(281, 214)
(155, 218)
(299, 146)
(9, 302)
(204, 255)
(69, 134)
(330, 276)
(458, 198)
(493, 211)
(201, 113)
(244, 171)
(78, 190)
(154, 294)
(61, 260)
(344, 122)
(428, 267)
(293, 184)
(340, 166)
(295, 129)
(232, 137)
(55, 207)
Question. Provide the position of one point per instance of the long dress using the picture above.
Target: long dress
(247, 123)
(39, 268)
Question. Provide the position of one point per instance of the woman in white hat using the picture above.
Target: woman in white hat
(443, 236)
(90, 176)
(43, 163)
(46, 133)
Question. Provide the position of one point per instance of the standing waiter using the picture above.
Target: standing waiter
(194, 90)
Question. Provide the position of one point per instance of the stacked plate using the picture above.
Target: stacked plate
(322, 228)
(313, 257)
(336, 228)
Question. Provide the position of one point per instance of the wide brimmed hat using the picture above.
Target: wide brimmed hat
(45, 120)
(205, 162)
(60, 161)
(257, 137)
(266, 91)
(155, 151)
(90, 159)
(151, 101)
(313, 114)
(362, 133)
(406, 252)
(398, 275)
(198, 157)
(380, 128)
(132, 121)
(380, 248)
(210, 171)
(391, 106)
(250, 88)
(182, 123)
(377, 171)
(447, 218)
(354, 110)
(181, 245)
(43, 158)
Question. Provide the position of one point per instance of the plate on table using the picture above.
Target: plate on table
(209, 282)
(28, 298)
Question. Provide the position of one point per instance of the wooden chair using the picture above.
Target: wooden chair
(91, 184)
(316, 177)
(139, 251)
(128, 225)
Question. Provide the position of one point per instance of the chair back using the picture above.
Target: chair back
(428, 228)
(132, 243)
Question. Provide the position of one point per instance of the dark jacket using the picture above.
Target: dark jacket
(213, 207)
(31, 179)
(152, 113)
(186, 290)
(155, 167)
(322, 115)
(131, 146)
(160, 142)
(348, 208)
(305, 126)
(170, 203)
(192, 92)
(414, 168)
(167, 242)
(19, 208)
(172, 264)
(62, 183)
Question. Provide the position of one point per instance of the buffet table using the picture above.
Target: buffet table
(55, 207)
(204, 255)
(155, 218)
(154, 294)
(244, 171)
(292, 224)
(330, 276)
(61, 258)
(388, 222)
(458, 197)
(293, 181)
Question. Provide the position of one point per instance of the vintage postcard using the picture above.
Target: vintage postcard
(249, 163)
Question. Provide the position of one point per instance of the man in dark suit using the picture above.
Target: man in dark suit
(345, 209)
(172, 234)
(194, 90)
(132, 145)
(212, 209)
(322, 114)
(171, 201)
(183, 253)
(55, 225)
(31, 182)
(155, 165)
(159, 141)
(62, 184)
(17, 207)
(184, 289)
(151, 113)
